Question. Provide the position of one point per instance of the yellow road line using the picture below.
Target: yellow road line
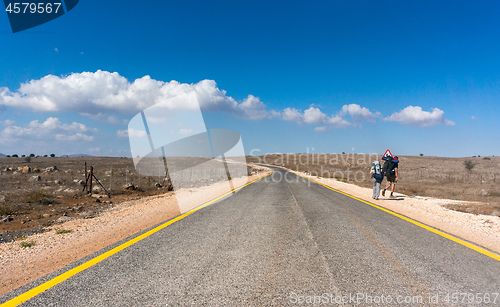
(49, 284)
(441, 233)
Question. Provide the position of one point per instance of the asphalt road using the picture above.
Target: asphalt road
(280, 242)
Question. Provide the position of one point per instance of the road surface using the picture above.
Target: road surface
(283, 240)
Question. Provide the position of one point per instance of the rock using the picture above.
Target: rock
(51, 169)
(2, 198)
(97, 200)
(158, 185)
(36, 170)
(45, 215)
(15, 173)
(58, 182)
(78, 208)
(88, 214)
(25, 169)
(64, 219)
(483, 192)
(35, 178)
(129, 186)
(79, 181)
(7, 219)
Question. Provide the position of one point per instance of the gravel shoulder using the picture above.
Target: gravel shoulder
(483, 230)
(19, 266)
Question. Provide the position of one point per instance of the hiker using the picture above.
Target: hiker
(377, 177)
(390, 170)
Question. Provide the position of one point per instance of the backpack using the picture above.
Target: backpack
(377, 171)
(389, 166)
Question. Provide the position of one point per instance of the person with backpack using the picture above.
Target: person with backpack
(390, 170)
(377, 177)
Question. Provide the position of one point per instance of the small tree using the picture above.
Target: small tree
(45, 156)
(32, 155)
(469, 165)
(52, 155)
(421, 154)
(15, 156)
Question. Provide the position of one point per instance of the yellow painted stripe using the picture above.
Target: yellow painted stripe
(49, 284)
(443, 234)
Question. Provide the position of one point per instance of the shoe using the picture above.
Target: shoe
(383, 192)
(376, 198)
(392, 196)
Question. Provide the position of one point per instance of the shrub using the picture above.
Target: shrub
(27, 243)
(32, 155)
(62, 231)
(15, 156)
(39, 197)
(486, 158)
(421, 154)
(52, 155)
(469, 165)
(8, 209)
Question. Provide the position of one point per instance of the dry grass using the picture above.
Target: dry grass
(39, 197)
(473, 179)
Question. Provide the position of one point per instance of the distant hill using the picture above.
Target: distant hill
(79, 155)
(2, 155)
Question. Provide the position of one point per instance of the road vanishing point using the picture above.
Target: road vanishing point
(282, 240)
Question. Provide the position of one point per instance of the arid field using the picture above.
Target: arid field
(418, 175)
(42, 191)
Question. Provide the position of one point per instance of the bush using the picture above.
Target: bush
(15, 156)
(39, 197)
(52, 155)
(62, 231)
(486, 158)
(27, 243)
(7, 209)
(421, 154)
(469, 165)
(32, 155)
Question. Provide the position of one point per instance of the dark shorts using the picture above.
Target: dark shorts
(391, 178)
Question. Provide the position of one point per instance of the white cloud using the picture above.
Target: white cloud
(7, 122)
(96, 93)
(359, 113)
(320, 129)
(291, 114)
(473, 117)
(50, 129)
(417, 117)
(132, 132)
(314, 116)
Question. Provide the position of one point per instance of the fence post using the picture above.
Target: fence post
(111, 178)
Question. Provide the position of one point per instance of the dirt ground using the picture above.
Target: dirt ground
(37, 194)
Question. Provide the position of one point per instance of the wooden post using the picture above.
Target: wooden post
(90, 179)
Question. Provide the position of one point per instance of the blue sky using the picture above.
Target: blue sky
(290, 76)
